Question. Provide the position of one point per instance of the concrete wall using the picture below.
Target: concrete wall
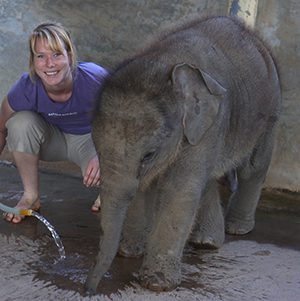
(108, 31)
(279, 23)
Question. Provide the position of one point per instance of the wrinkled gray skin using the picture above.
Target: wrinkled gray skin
(200, 102)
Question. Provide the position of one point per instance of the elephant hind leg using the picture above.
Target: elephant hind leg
(240, 213)
(208, 231)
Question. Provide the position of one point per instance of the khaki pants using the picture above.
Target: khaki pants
(28, 132)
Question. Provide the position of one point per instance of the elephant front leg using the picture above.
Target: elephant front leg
(138, 223)
(161, 272)
(161, 268)
(208, 231)
(132, 242)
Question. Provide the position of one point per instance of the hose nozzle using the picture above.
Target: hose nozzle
(27, 212)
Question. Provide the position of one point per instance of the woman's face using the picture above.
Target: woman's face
(52, 67)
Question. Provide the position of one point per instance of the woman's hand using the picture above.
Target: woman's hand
(92, 173)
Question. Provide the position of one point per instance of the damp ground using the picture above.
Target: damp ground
(263, 265)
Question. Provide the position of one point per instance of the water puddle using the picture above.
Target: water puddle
(57, 240)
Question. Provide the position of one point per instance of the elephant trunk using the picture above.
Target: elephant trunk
(114, 206)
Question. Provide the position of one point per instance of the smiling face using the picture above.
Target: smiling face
(53, 67)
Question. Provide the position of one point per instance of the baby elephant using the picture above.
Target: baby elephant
(200, 102)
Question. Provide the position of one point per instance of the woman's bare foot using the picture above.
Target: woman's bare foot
(97, 205)
(24, 203)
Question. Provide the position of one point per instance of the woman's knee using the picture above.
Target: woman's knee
(24, 122)
(26, 132)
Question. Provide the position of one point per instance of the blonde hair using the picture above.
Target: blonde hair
(58, 39)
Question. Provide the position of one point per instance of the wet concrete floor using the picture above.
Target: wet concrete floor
(263, 265)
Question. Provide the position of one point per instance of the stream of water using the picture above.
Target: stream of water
(57, 240)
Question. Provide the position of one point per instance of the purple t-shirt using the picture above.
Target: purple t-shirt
(73, 116)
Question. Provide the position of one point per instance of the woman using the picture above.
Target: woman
(47, 113)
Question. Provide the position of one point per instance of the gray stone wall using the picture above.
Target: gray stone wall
(279, 23)
(108, 31)
(103, 31)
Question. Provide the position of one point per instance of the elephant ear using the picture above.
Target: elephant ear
(201, 96)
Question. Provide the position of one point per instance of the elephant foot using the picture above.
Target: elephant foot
(208, 232)
(161, 276)
(207, 241)
(236, 225)
(157, 282)
(130, 250)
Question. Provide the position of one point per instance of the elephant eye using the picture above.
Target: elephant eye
(148, 156)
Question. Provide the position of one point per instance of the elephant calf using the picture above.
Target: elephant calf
(201, 101)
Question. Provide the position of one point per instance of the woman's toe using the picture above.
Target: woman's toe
(17, 219)
(96, 206)
(8, 216)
